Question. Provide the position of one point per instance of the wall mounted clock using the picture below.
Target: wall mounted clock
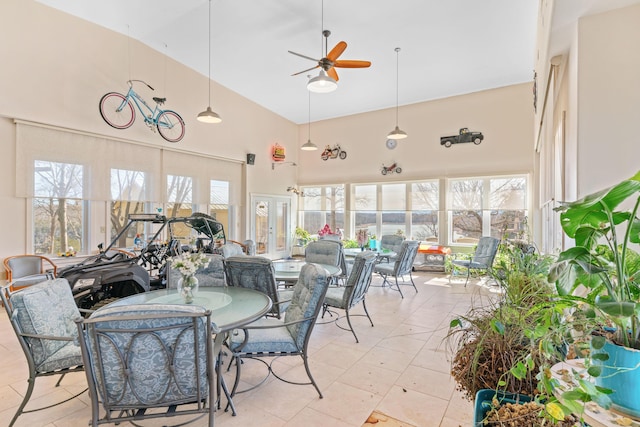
(391, 144)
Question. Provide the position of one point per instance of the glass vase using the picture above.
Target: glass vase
(187, 288)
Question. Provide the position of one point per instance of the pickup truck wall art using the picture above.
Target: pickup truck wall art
(464, 135)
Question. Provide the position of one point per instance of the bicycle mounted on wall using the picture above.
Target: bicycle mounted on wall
(117, 110)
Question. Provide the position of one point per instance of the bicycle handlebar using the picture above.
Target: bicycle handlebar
(130, 83)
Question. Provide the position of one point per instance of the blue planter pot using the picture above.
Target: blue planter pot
(483, 403)
(621, 373)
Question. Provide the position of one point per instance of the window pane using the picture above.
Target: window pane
(424, 226)
(312, 200)
(365, 198)
(127, 197)
(393, 223)
(179, 193)
(59, 180)
(425, 196)
(508, 224)
(219, 202)
(366, 221)
(508, 193)
(58, 211)
(312, 221)
(466, 226)
(58, 226)
(466, 194)
(394, 197)
(335, 198)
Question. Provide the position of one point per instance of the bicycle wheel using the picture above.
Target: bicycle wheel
(170, 126)
(116, 110)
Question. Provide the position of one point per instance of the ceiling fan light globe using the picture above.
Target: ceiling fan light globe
(322, 83)
(397, 133)
(209, 116)
(309, 146)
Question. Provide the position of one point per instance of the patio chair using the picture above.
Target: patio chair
(482, 258)
(348, 296)
(27, 270)
(256, 272)
(269, 337)
(402, 266)
(141, 359)
(391, 242)
(329, 252)
(42, 317)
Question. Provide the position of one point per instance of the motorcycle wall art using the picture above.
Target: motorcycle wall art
(333, 153)
(393, 168)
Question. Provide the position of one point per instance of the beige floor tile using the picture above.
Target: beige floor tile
(413, 407)
(346, 403)
(427, 381)
(311, 418)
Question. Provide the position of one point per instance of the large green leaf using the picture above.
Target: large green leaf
(617, 308)
(593, 210)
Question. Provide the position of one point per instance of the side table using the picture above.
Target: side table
(431, 257)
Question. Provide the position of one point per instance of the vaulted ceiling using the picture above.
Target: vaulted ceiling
(447, 47)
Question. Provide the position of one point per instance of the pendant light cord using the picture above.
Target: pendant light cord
(309, 125)
(397, 82)
(209, 104)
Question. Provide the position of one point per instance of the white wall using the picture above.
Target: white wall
(609, 98)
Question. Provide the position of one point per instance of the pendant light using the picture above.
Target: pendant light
(397, 133)
(322, 83)
(309, 146)
(209, 116)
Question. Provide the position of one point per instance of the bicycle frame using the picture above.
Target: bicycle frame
(151, 117)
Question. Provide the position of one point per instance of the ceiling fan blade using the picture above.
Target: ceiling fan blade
(304, 71)
(336, 51)
(333, 74)
(351, 64)
(303, 56)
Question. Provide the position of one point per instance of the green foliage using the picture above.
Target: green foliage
(602, 261)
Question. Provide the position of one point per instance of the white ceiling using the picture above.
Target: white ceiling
(448, 47)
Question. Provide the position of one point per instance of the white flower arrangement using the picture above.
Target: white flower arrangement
(188, 263)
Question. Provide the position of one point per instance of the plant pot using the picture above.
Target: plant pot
(484, 399)
(621, 374)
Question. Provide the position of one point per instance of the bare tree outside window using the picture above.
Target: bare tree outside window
(127, 197)
(58, 207)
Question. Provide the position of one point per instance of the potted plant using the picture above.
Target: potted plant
(498, 353)
(302, 236)
(605, 270)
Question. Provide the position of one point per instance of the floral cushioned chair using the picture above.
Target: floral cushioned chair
(269, 337)
(402, 266)
(42, 317)
(148, 356)
(354, 291)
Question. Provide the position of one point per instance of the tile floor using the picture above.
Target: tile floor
(400, 368)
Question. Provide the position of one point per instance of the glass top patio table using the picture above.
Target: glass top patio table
(382, 254)
(231, 307)
(289, 270)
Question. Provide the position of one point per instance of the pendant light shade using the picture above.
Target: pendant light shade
(397, 133)
(322, 83)
(209, 116)
(309, 146)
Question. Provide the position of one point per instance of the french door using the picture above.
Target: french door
(271, 225)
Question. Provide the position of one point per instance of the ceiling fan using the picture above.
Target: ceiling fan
(330, 61)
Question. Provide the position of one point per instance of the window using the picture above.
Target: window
(487, 207)
(425, 205)
(320, 206)
(365, 205)
(58, 208)
(219, 202)
(127, 197)
(393, 201)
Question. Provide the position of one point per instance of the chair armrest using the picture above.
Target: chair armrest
(245, 328)
(47, 337)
